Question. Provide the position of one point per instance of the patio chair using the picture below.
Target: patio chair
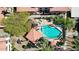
(58, 48)
(19, 41)
(31, 45)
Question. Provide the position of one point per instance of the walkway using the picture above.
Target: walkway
(19, 46)
(68, 42)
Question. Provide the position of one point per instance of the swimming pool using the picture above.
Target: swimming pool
(50, 32)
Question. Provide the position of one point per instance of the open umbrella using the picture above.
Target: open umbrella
(33, 35)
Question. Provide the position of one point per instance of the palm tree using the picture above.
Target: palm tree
(43, 45)
(75, 44)
(66, 24)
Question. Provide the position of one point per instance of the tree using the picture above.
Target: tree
(17, 24)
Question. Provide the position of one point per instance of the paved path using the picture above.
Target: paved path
(69, 40)
(69, 43)
(19, 46)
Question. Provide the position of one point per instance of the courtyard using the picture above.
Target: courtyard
(40, 29)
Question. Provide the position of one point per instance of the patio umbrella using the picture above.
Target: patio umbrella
(33, 35)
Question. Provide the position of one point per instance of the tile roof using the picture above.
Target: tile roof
(2, 44)
(24, 9)
(60, 9)
(29, 9)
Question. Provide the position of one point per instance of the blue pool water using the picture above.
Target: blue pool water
(50, 32)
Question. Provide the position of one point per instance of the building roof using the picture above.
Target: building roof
(35, 9)
(33, 35)
(60, 9)
(2, 44)
(28, 9)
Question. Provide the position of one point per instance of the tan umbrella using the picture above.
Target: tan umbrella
(33, 35)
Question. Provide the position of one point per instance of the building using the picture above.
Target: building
(4, 40)
(46, 10)
(35, 10)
